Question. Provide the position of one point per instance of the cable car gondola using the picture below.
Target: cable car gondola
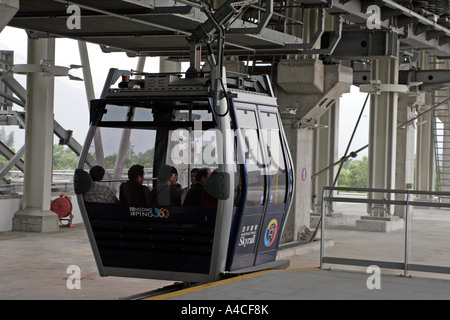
(171, 119)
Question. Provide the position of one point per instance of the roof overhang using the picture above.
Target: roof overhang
(161, 27)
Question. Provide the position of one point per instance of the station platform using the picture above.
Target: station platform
(314, 284)
(37, 266)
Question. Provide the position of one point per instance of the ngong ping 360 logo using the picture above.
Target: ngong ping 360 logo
(271, 233)
(145, 212)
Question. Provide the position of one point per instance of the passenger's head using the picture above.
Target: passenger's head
(136, 172)
(97, 173)
(193, 173)
(174, 175)
(202, 174)
(165, 173)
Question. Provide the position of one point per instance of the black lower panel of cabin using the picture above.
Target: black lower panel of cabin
(180, 243)
(160, 261)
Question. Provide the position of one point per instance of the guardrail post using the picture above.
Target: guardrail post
(407, 221)
(322, 233)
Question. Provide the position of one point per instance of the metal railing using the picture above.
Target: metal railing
(408, 202)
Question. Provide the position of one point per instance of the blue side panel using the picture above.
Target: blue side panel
(245, 241)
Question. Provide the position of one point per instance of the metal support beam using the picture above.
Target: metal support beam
(66, 138)
(11, 83)
(366, 44)
(14, 159)
(425, 80)
(18, 118)
(90, 94)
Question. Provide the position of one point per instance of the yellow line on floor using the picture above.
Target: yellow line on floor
(217, 283)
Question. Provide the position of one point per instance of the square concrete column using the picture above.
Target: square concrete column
(382, 148)
(35, 214)
(404, 170)
(325, 153)
(306, 89)
(383, 132)
(300, 144)
(425, 156)
(425, 153)
(326, 145)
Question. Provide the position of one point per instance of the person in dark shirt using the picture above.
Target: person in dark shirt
(194, 195)
(207, 200)
(185, 190)
(165, 194)
(133, 191)
(174, 179)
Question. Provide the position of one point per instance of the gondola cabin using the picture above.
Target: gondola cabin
(170, 119)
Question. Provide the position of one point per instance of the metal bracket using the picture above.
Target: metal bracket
(308, 125)
(376, 87)
(46, 69)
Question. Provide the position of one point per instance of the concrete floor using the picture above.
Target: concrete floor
(37, 266)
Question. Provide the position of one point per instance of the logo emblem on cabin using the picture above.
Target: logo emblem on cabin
(271, 233)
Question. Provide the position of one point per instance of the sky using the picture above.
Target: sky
(351, 105)
(71, 106)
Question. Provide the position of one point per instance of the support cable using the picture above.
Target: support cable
(341, 162)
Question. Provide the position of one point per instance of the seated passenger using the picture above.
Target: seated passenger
(174, 179)
(133, 191)
(194, 195)
(165, 194)
(185, 190)
(99, 192)
(207, 200)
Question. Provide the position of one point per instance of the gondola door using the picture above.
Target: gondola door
(249, 210)
(267, 183)
(277, 173)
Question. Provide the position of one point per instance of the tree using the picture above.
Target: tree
(7, 140)
(64, 158)
(354, 173)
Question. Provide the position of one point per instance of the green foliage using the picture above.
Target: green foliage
(143, 158)
(63, 158)
(354, 173)
(8, 140)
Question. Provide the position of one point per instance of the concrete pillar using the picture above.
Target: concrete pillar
(382, 148)
(306, 89)
(300, 143)
(425, 153)
(404, 169)
(383, 133)
(326, 152)
(35, 214)
(233, 65)
(168, 66)
(425, 165)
